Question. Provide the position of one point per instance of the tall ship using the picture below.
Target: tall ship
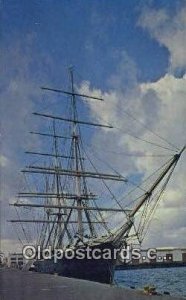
(70, 204)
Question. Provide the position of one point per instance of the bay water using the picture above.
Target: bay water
(172, 280)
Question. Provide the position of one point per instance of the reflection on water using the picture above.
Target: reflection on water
(172, 280)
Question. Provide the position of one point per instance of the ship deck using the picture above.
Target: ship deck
(22, 285)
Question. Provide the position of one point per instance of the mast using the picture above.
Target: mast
(59, 213)
(159, 179)
(75, 141)
(60, 216)
(127, 226)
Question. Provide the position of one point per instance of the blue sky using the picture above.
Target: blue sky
(129, 52)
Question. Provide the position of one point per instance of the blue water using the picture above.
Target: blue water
(172, 280)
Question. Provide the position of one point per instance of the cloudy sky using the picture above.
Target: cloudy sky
(130, 52)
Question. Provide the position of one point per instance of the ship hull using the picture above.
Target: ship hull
(98, 270)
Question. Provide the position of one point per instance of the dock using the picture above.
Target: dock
(24, 285)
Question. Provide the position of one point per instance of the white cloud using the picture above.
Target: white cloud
(19, 95)
(161, 107)
(3, 160)
(169, 30)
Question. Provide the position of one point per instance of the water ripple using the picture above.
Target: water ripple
(172, 280)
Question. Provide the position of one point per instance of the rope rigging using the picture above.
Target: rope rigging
(77, 182)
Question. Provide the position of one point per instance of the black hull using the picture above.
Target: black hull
(99, 270)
